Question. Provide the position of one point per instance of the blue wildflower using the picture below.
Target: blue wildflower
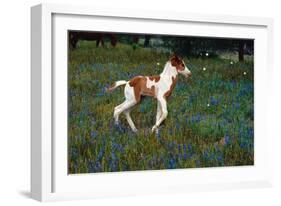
(94, 134)
(251, 132)
(172, 163)
(227, 139)
(113, 156)
(98, 166)
(120, 128)
(233, 83)
(101, 153)
(189, 147)
(243, 145)
(214, 101)
(117, 147)
(196, 118)
(113, 161)
(171, 145)
(236, 105)
(184, 152)
(220, 158)
(179, 148)
(206, 154)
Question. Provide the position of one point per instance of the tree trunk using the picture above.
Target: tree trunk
(241, 51)
(146, 40)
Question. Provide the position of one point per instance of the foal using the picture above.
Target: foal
(159, 87)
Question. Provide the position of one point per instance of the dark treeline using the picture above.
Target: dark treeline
(196, 46)
(182, 45)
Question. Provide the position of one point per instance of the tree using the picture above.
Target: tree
(241, 47)
(146, 40)
(196, 46)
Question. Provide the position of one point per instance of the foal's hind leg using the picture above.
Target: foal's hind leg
(121, 108)
(129, 119)
(126, 106)
(116, 112)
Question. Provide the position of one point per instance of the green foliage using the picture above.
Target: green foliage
(203, 47)
(210, 120)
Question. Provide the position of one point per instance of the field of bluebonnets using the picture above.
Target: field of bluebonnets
(210, 120)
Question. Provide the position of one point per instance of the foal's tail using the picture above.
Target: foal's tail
(116, 84)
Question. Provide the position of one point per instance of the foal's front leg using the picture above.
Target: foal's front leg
(163, 105)
(158, 115)
(159, 112)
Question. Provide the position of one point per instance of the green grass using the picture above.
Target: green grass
(210, 120)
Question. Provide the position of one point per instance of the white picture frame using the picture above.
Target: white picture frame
(49, 179)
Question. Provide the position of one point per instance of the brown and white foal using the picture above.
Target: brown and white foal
(159, 87)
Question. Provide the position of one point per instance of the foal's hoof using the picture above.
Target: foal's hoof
(154, 128)
(135, 130)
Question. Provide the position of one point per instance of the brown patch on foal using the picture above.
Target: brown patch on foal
(139, 84)
(155, 78)
(169, 92)
(177, 62)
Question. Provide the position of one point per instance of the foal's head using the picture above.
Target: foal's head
(179, 64)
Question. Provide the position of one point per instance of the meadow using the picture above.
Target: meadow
(210, 121)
